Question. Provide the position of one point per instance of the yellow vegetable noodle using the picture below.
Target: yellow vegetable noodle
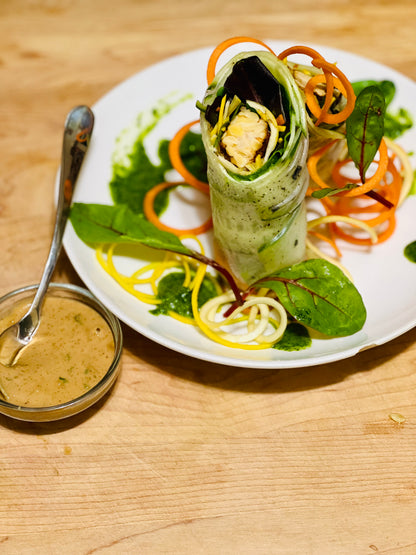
(254, 128)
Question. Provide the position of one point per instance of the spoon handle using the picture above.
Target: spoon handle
(77, 134)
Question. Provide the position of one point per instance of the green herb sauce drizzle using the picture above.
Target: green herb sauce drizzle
(410, 252)
(134, 174)
(133, 171)
(175, 297)
(295, 338)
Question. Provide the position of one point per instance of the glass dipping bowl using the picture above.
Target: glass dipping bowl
(91, 396)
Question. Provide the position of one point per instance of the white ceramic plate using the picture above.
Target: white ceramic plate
(384, 277)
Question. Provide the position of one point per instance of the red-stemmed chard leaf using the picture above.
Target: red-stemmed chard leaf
(318, 294)
(99, 223)
(365, 128)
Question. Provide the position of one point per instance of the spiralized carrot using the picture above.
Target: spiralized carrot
(322, 113)
(329, 70)
(340, 181)
(327, 239)
(149, 212)
(350, 95)
(212, 62)
(176, 160)
(384, 220)
(299, 50)
(329, 81)
(386, 181)
(383, 236)
(312, 165)
(375, 179)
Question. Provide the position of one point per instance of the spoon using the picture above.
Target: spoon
(77, 133)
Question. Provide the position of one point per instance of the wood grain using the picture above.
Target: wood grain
(185, 456)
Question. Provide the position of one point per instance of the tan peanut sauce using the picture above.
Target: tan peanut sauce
(70, 353)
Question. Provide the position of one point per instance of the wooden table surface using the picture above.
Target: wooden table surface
(186, 456)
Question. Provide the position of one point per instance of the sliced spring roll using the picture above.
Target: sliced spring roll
(254, 129)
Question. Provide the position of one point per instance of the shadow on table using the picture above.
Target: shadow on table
(250, 380)
(262, 380)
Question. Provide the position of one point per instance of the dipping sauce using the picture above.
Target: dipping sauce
(70, 353)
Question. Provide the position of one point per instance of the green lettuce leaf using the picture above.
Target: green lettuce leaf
(318, 294)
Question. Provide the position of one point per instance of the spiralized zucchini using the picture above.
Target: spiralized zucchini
(406, 168)
(258, 324)
(257, 320)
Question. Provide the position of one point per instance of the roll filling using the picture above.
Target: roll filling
(253, 124)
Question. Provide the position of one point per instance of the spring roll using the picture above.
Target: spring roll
(254, 129)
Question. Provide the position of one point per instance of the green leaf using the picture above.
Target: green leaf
(330, 191)
(395, 123)
(388, 88)
(365, 127)
(98, 223)
(318, 294)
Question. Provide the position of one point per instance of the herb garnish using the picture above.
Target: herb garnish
(330, 191)
(364, 131)
(319, 295)
(395, 124)
(365, 128)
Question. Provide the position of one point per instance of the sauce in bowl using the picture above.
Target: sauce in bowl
(71, 353)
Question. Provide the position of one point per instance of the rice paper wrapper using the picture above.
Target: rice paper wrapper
(260, 219)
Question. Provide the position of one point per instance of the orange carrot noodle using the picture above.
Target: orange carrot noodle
(347, 88)
(149, 212)
(313, 164)
(177, 162)
(326, 239)
(299, 50)
(222, 47)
